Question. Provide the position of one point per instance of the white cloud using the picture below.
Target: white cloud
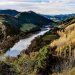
(6, 3)
(45, 6)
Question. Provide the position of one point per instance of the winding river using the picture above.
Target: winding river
(23, 44)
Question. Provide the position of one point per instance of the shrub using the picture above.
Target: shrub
(7, 69)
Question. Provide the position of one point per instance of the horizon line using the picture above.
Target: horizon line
(37, 12)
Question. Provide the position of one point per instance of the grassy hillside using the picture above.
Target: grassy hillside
(56, 58)
(28, 27)
(49, 54)
(66, 37)
(69, 20)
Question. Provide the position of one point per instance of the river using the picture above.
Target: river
(23, 44)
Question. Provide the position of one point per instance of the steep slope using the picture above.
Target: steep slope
(11, 24)
(32, 17)
(9, 12)
(24, 21)
(65, 48)
(13, 28)
(69, 20)
(58, 57)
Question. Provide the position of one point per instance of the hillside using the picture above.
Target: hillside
(65, 48)
(50, 54)
(13, 28)
(11, 24)
(11, 31)
(34, 18)
(24, 22)
(9, 12)
(69, 20)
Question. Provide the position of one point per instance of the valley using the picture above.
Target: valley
(23, 44)
(36, 44)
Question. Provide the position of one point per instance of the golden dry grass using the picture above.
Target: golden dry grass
(68, 72)
(66, 38)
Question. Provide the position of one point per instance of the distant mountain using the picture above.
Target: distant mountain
(62, 17)
(59, 17)
(9, 12)
(33, 18)
(52, 17)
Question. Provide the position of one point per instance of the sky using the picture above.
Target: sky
(40, 6)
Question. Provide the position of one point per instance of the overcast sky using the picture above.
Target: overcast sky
(40, 6)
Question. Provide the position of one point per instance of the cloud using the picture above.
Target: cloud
(40, 6)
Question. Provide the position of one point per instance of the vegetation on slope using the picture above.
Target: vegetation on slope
(50, 54)
(32, 17)
(66, 38)
(41, 41)
(58, 58)
(65, 48)
(38, 61)
(69, 20)
(8, 69)
(50, 58)
(11, 24)
(28, 27)
(14, 28)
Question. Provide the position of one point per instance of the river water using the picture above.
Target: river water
(23, 44)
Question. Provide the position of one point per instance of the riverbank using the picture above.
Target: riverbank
(11, 40)
(23, 44)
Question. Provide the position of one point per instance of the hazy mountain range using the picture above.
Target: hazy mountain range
(59, 17)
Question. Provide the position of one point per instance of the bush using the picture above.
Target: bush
(7, 69)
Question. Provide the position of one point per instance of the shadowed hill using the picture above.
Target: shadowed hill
(23, 21)
(9, 12)
(11, 24)
(32, 17)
